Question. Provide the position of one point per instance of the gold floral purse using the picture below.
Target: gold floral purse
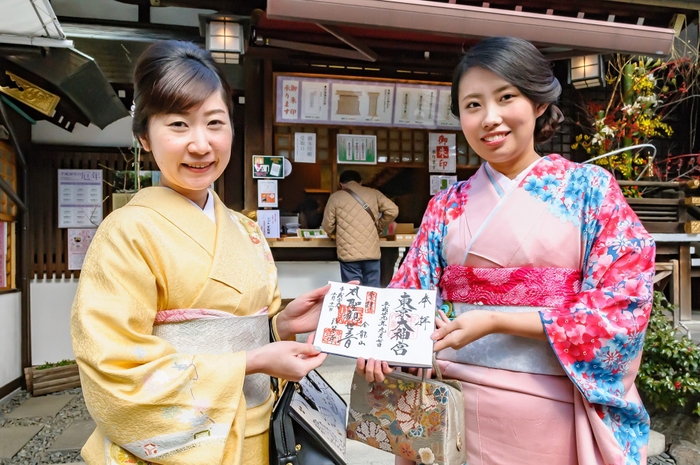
(413, 417)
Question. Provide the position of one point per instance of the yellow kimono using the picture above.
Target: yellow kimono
(158, 253)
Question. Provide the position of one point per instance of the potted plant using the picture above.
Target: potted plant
(52, 377)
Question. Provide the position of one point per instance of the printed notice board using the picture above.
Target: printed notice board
(79, 198)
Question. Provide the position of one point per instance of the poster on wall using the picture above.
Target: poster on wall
(415, 106)
(79, 198)
(439, 182)
(290, 99)
(358, 150)
(442, 153)
(445, 118)
(268, 167)
(267, 193)
(305, 147)
(314, 101)
(3, 254)
(269, 221)
(361, 102)
(78, 242)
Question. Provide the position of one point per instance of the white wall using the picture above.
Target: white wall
(117, 134)
(117, 11)
(51, 301)
(10, 337)
(295, 278)
(105, 9)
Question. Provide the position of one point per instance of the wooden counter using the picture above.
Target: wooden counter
(325, 250)
(314, 243)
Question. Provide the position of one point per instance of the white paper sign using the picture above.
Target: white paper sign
(267, 193)
(445, 117)
(438, 183)
(305, 147)
(79, 198)
(290, 99)
(355, 102)
(78, 242)
(314, 101)
(269, 221)
(393, 325)
(415, 106)
(442, 153)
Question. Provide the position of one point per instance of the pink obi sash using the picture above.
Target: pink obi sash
(530, 287)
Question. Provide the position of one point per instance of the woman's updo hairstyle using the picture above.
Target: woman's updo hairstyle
(520, 63)
(173, 76)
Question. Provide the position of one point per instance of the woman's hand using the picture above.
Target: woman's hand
(466, 328)
(301, 314)
(475, 324)
(373, 370)
(284, 359)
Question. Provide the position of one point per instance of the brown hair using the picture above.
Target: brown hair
(520, 63)
(173, 76)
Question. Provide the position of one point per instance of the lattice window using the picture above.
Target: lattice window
(8, 211)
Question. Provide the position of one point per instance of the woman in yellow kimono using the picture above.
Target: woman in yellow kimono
(178, 294)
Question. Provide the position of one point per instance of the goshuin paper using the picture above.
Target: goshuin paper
(393, 325)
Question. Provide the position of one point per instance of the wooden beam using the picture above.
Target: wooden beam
(351, 41)
(319, 49)
(677, 23)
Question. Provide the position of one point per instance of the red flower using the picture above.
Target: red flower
(677, 384)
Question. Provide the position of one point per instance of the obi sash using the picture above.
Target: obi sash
(203, 331)
(510, 290)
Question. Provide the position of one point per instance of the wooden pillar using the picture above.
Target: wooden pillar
(686, 293)
(254, 128)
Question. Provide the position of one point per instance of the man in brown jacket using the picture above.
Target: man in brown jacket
(356, 223)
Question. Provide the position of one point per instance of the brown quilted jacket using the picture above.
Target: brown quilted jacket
(356, 235)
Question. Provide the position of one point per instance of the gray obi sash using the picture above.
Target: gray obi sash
(222, 335)
(504, 351)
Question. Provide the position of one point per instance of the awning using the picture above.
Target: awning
(77, 77)
(469, 21)
(31, 22)
(56, 68)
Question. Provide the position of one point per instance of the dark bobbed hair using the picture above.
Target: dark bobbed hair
(350, 175)
(173, 76)
(521, 64)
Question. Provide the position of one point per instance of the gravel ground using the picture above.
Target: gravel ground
(662, 459)
(34, 452)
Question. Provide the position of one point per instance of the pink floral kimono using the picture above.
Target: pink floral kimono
(561, 240)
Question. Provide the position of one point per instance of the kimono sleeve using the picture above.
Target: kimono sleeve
(140, 392)
(422, 267)
(598, 337)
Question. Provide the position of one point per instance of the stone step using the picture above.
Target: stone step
(44, 406)
(74, 437)
(14, 438)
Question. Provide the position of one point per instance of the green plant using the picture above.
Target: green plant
(669, 374)
(62, 363)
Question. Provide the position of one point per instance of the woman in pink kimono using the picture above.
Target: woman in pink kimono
(546, 274)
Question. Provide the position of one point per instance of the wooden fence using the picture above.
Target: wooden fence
(47, 242)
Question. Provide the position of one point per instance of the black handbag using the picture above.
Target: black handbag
(308, 424)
